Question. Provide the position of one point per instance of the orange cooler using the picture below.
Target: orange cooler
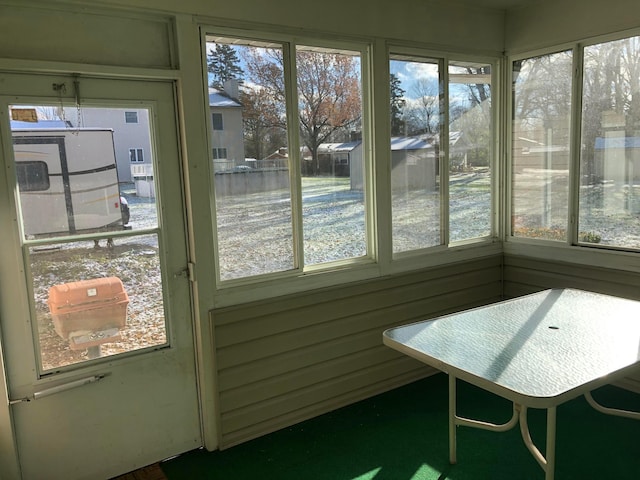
(88, 305)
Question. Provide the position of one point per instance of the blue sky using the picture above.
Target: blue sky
(411, 72)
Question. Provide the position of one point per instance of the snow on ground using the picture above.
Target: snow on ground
(256, 233)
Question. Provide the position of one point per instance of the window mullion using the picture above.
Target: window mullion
(295, 157)
(576, 138)
(443, 157)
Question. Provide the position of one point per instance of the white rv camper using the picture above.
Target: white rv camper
(68, 181)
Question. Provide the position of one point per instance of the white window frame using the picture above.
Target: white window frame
(427, 257)
(570, 250)
(136, 155)
(377, 163)
(128, 115)
(216, 153)
(213, 123)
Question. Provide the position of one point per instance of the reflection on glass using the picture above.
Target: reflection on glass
(94, 301)
(415, 152)
(250, 158)
(541, 144)
(469, 151)
(609, 160)
(330, 111)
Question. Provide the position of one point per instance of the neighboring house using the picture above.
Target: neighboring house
(277, 159)
(131, 138)
(470, 137)
(537, 148)
(336, 158)
(226, 123)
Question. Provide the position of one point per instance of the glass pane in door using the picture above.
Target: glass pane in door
(90, 230)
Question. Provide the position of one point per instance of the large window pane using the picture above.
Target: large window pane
(541, 141)
(470, 140)
(92, 302)
(333, 183)
(250, 158)
(610, 155)
(415, 147)
(103, 296)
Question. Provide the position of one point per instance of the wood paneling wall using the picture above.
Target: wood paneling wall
(523, 275)
(287, 359)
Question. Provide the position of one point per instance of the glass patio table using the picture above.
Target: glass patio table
(538, 351)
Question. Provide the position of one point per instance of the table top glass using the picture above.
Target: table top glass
(539, 349)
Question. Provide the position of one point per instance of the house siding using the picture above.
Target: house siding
(230, 137)
(125, 135)
(287, 359)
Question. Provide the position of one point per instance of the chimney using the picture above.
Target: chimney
(230, 87)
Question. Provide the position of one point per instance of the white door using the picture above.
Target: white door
(94, 295)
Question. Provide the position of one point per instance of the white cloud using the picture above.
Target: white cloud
(421, 71)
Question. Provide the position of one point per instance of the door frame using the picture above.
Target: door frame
(9, 455)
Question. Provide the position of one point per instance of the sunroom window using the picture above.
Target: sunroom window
(593, 200)
(609, 192)
(432, 207)
(290, 194)
(541, 143)
(470, 150)
(415, 152)
(330, 125)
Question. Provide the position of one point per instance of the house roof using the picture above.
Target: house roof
(409, 143)
(397, 143)
(338, 147)
(219, 99)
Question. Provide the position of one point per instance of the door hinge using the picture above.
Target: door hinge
(188, 272)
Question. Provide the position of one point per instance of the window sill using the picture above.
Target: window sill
(279, 285)
(583, 255)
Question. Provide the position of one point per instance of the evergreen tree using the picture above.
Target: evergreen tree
(397, 106)
(223, 65)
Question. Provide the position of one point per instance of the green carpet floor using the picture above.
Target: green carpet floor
(402, 435)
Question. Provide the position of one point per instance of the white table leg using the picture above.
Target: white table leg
(551, 444)
(452, 420)
(547, 463)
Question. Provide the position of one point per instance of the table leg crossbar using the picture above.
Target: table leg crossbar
(519, 414)
(611, 411)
